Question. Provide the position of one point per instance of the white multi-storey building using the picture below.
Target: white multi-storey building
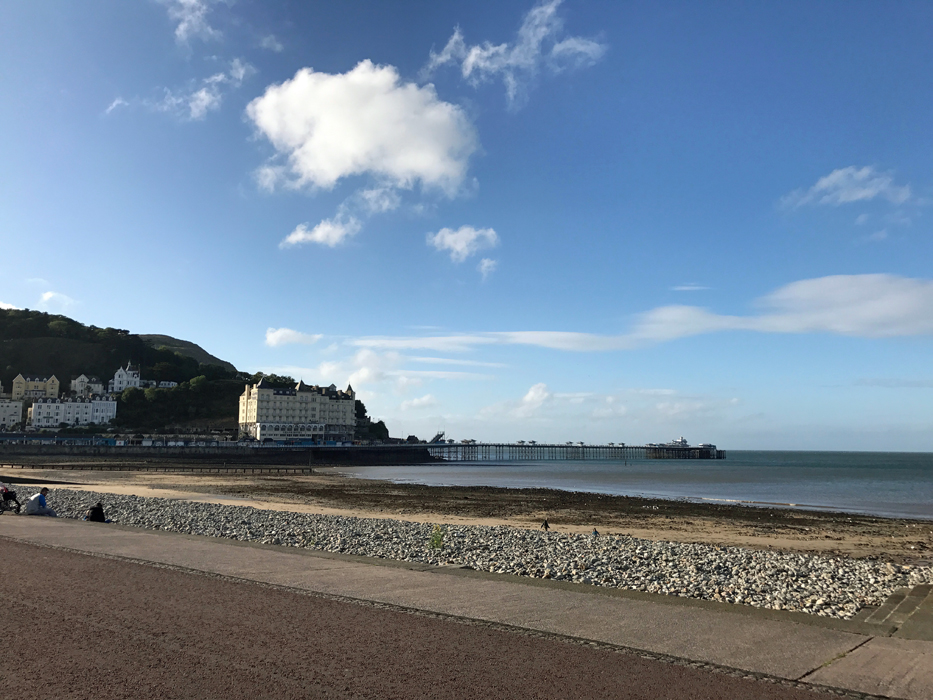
(305, 412)
(51, 413)
(87, 386)
(11, 413)
(124, 378)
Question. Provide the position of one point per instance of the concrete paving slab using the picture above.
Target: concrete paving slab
(889, 666)
(785, 649)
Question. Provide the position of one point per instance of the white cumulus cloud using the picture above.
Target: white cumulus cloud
(330, 232)
(286, 336)
(463, 242)
(9, 307)
(847, 185)
(421, 402)
(536, 397)
(540, 45)
(366, 121)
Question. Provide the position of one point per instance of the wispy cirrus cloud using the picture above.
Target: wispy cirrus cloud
(276, 337)
(116, 104)
(271, 43)
(195, 101)
(540, 46)
(893, 383)
(454, 361)
(190, 18)
(55, 302)
(868, 306)
(876, 237)
(374, 370)
(848, 185)
(487, 266)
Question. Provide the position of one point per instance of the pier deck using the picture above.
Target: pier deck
(513, 452)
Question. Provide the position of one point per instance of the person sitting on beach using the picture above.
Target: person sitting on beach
(95, 514)
(9, 495)
(38, 506)
(545, 526)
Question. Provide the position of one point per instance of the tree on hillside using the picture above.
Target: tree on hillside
(274, 380)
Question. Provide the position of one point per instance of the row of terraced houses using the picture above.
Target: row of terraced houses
(86, 403)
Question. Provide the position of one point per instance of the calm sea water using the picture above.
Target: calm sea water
(894, 484)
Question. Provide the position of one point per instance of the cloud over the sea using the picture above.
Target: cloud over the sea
(867, 306)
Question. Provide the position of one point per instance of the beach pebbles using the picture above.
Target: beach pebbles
(766, 579)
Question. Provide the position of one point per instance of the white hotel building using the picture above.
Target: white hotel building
(51, 413)
(11, 413)
(303, 413)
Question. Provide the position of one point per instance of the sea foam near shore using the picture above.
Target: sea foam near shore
(784, 581)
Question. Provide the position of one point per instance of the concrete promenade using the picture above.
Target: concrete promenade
(788, 646)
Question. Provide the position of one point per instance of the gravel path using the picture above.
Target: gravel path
(79, 626)
(779, 580)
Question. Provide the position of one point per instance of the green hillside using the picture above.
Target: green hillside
(186, 349)
(33, 343)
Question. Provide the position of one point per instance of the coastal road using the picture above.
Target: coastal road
(89, 627)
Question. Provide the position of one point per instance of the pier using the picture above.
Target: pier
(514, 452)
(234, 457)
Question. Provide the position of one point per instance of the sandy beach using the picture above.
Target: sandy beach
(828, 534)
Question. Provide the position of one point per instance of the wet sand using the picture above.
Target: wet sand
(829, 534)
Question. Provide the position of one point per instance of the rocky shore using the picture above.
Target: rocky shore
(834, 587)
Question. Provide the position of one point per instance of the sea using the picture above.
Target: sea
(889, 484)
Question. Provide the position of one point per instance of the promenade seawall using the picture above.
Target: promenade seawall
(137, 457)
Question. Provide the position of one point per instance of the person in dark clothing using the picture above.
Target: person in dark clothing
(95, 514)
(545, 526)
(9, 496)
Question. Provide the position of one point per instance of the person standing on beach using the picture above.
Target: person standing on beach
(38, 506)
(545, 526)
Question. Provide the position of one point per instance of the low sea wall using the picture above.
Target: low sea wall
(137, 457)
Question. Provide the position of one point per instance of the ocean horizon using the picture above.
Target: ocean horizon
(886, 484)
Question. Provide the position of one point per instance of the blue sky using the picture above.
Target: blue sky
(571, 220)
